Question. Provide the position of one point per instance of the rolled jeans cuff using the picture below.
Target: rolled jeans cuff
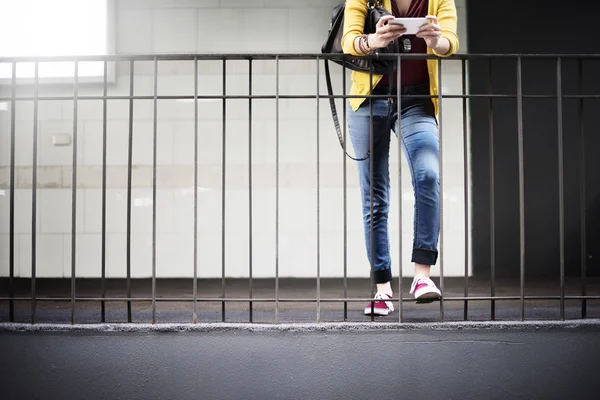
(382, 275)
(424, 256)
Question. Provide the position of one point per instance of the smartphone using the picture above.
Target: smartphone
(412, 25)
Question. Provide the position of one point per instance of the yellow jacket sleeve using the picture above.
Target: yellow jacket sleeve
(355, 14)
(447, 19)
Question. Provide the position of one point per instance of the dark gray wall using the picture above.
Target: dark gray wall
(550, 28)
(481, 364)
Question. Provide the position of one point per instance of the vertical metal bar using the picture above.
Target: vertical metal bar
(104, 150)
(277, 190)
(440, 134)
(129, 176)
(371, 192)
(521, 184)
(466, 185)
(223, 167)
(492, 194)
(345, 195)
(318, 204)
(582, 200)
(400, 263)
(195, 283)
(250, 316)
(74, 196)
(34, 194)
(154, 142)
(13, 103)
(561, 199)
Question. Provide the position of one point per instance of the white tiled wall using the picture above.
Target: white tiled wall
(186, 26)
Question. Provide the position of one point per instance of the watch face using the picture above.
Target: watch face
(406, 45)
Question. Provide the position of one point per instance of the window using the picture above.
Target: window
(56, 28)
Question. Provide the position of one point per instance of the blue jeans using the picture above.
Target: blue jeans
(420, 144)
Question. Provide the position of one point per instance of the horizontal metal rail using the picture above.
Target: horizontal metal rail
(284, 57)
(287, 300)
(299, 97)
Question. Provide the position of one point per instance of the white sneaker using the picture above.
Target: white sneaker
(382, 305)
(424, 290)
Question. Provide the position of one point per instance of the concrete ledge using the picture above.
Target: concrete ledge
(549, 360)
(311, 327)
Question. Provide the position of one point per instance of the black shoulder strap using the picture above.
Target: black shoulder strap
(336, 121)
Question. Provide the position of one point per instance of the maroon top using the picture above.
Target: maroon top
(413, 72)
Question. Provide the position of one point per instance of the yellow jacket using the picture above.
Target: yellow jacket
(354, 22)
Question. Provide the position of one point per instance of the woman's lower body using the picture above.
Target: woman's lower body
(420, 144)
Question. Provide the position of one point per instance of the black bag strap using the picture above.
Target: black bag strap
(371, 4)
(334, 114)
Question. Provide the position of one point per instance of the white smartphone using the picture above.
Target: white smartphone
(412, 25)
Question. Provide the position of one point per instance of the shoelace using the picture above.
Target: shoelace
(388, 303)
(425, 280)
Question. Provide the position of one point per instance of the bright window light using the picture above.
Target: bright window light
(54, 28)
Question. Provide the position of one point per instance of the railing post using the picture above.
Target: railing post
(223, 184)
(561, 201)
(582, 192)
(74, 196)
(154, 150)
(492, 194)
(318, 201)
(521, 185)
(11, 261)
(441, 145)
(34, 194)
(371, 193)
(465, 183)
(277, 189)
(129, 184)
(195, 284)
(104, 151)
(400, 219)
(250, 249)
(345, 192)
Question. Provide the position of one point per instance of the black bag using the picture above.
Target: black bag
(333, 45)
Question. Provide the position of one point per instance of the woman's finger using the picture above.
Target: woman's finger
(428, 34)
(383, 21)
(430, 27)
(432, 18)
(390, 36)
(431, 32)
(397, 29)
(392, 28)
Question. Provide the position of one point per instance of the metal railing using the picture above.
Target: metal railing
(14, 99)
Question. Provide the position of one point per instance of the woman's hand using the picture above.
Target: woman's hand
(385, 33)
(432, 34)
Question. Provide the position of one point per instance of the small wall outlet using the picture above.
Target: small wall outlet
(61, 139)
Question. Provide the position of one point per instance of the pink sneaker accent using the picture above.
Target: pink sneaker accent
(381, 306)
(424, 290)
